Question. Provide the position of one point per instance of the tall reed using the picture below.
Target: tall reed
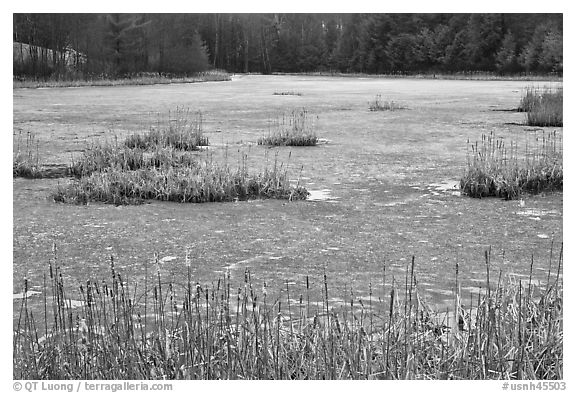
(297, 128)
(26, 157)
(180, 131)
(184, 330)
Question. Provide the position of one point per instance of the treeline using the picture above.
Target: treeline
(114, 45)
(109, 45)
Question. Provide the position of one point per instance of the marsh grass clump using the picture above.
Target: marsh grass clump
(296, 129)
(497, 169)
(162, 165)
(379, 105)
(185, 330)
(196, 181)
(287, 93)
(26, 157)
(543, 107)
(180, 132)
(215, 75)
(100, 157)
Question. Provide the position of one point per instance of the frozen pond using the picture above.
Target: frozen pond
(384, 187)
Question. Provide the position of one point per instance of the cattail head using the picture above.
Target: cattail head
(187, 259)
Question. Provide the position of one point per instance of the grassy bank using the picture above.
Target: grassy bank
(183, 330)
(469, 75)
(139, 79)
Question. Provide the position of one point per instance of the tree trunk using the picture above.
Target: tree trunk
(216, 40)
(246, 52)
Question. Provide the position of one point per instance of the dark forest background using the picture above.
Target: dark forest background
(119, 45)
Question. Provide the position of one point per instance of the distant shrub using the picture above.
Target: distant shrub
(295, 129)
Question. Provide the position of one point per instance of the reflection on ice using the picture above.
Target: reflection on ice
(320, 195)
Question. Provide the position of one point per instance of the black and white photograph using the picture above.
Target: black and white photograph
(287, 196)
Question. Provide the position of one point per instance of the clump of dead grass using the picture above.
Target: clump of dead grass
(381, 105)
(101, 157)
(297, 128)
(497, 169)
(181, 132)
(196, 182)
(26, 157)
(163, 165)
(287, 93)
(543, 107)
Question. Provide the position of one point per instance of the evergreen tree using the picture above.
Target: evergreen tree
(402, 52)
(330, 40)
(124, 43)
(550, 59)
(506, 57)
(346, 56)
(454, 56)
(121, 44)
(483, 38)
(179, 48)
